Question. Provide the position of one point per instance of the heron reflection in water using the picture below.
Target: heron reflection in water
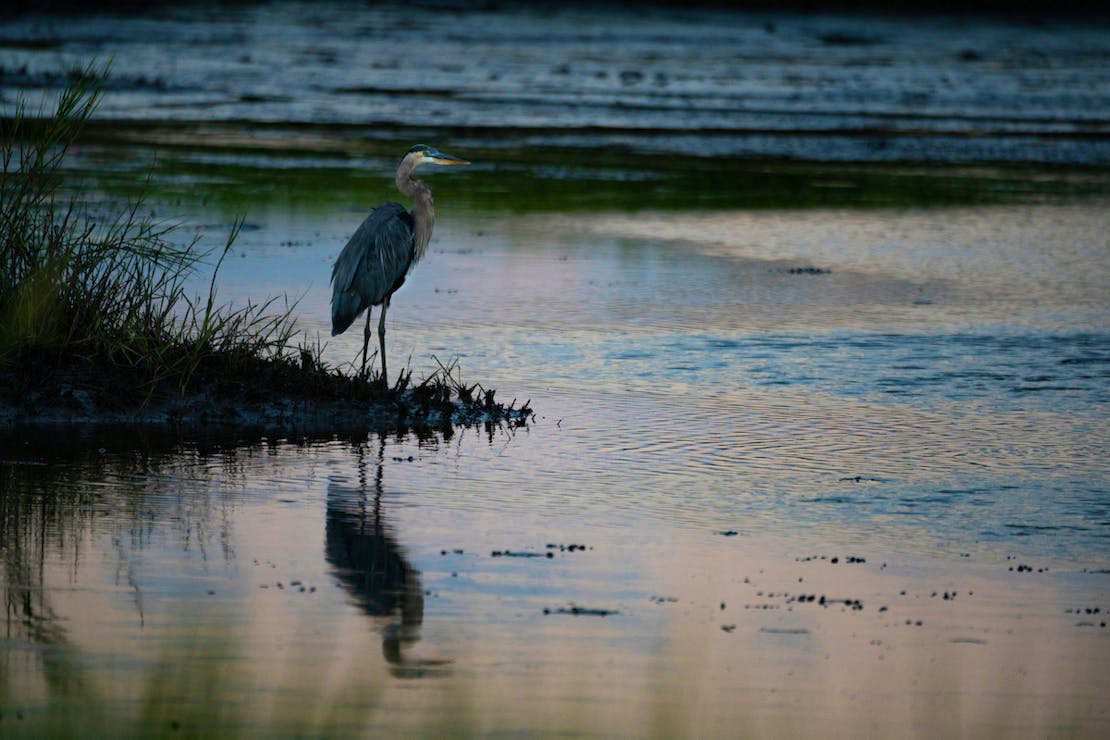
(383, 250)
(370, 566)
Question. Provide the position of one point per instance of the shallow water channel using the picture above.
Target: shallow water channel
(799, 465)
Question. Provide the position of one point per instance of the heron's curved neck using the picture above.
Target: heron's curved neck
(423, 207)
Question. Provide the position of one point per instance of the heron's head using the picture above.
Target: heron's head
(424, 154)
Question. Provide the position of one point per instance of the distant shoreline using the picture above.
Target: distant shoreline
(952, 85)
(999, 8)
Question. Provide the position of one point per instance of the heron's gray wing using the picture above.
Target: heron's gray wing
(372, 265)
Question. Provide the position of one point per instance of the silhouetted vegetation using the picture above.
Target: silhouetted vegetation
(96, 321)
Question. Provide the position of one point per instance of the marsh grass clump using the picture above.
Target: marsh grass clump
(470, 403)
(104, 293)
(96, 321)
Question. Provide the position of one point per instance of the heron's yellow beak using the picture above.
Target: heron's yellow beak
(444, 159)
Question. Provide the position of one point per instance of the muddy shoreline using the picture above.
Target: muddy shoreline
(289, 399)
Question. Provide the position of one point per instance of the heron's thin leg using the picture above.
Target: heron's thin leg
(365, 342)
(381, 339)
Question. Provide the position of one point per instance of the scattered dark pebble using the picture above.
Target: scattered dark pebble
(854, 604)
(728, 627)
(665, 599)
(811, 271)
(1025, 568)
(834, 559)
(567, 548)
(301, 588)
(581, 611)
(783, 631)
(728, 533)
(520, 554)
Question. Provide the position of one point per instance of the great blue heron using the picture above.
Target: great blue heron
(385, 247)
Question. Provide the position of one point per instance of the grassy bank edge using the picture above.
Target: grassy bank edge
(96, 323)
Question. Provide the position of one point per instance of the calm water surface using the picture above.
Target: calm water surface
(837, 471)
(713, 425)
